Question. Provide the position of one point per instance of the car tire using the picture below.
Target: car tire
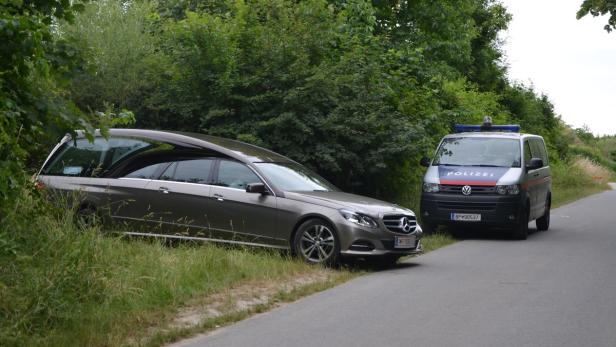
(543, 223)
(87, 217)
(316, 242)
(520, 231)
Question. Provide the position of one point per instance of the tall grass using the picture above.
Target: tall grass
(575, 179)
(63, 285)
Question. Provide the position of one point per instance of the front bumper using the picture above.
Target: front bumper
(495, 210)
(360, 242)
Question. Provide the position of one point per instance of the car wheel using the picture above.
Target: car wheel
(520, 232)
(87, 217)
(316, 242)
(543, 223)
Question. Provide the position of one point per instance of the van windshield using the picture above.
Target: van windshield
(478, 151)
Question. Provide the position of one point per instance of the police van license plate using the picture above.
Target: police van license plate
(404, 242)
(466, 217)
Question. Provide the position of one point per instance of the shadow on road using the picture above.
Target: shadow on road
(484, 233)
(372, 265)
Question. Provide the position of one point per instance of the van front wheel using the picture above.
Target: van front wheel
(520, 231)
(543, 223)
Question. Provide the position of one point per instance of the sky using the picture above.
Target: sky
(572, 61)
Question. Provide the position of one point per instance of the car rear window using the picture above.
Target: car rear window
(82, 158)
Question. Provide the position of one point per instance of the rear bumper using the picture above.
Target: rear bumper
(437, 208)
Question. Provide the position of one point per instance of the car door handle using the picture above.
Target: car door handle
(219, 197)
(163, 190)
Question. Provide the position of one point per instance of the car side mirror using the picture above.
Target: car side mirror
(535, 163)
(425, 161)
(256, 188)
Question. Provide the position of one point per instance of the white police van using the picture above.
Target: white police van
(489, 175)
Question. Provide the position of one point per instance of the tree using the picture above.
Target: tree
(600, 8)
(33, 69)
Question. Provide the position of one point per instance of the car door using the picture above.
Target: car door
(530, 177)
(242, 216)
(180, 199)
(542, 178)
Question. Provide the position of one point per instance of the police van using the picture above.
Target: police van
(489, 175)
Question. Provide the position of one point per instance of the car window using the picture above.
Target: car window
(538, 149)
(93, 159)
(233, 174)
(527, 153)
(78, 158)
(147, 172)
(189, 171)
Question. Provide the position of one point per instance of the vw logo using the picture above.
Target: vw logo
(405, 224)
(466, 190)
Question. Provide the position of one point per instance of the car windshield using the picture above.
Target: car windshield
(478, 151)
(294, 177)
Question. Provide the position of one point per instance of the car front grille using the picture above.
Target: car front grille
(393, 223)
(467, 206)
(475, 190)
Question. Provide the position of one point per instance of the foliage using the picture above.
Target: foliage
(33, 68)
(354, 89)
(600, 8)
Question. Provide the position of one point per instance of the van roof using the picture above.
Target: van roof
(493, 134)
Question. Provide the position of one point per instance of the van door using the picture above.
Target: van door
(529, 180)
(542, 179)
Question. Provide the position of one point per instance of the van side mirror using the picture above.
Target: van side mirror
(425, 161)
(256, 188)
(535, 163)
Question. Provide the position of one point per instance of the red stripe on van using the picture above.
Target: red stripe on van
(469, 183)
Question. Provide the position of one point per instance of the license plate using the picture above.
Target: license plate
(466, 217)
(404, 242)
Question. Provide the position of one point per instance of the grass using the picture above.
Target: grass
(574, 180)
(435, 241)
(61, 285)
(64, 285)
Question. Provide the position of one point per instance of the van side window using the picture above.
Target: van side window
(539, 151)
(527, 153)
(235, 175)
(538, 148)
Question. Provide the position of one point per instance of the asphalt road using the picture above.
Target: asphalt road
(558, 288)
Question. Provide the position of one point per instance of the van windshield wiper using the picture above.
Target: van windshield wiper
(486, 165)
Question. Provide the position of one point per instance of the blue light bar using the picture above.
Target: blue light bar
(463, 128)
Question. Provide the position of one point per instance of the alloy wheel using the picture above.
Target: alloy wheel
(317, 243)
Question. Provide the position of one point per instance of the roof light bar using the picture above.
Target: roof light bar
(487, 126)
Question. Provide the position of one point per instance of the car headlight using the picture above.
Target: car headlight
(359, 218)
(430, 188)
(512, 189)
